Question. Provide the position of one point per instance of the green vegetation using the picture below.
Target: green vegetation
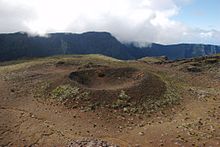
(123, 95)
(122, 100)
(211, 61)
(170, 97)
(153, 59)
(65, 91)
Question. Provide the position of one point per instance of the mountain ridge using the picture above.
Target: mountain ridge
(20, 45)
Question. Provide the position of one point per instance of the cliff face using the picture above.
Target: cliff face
(20, 45)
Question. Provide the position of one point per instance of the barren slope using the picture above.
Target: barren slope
(62, 100)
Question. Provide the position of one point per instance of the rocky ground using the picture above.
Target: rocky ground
(90, 143)
(150, 102)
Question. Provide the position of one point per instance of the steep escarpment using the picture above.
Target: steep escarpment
(21, 45)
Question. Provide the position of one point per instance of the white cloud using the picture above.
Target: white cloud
(128, 20)
(206, 34)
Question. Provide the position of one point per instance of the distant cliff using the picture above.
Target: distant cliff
(20, 45)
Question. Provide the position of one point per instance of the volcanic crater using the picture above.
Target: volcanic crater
(106, 83)
(107, 78)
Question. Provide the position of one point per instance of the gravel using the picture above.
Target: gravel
(90, 143)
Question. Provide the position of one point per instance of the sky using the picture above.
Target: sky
(160, 21)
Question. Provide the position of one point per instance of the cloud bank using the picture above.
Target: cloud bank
(128, 20)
